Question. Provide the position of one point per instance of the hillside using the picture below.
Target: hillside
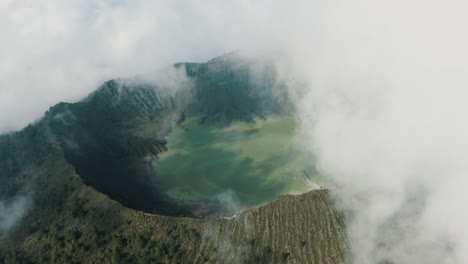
(85, 168)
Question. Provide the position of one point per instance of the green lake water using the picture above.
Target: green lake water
(243, 164)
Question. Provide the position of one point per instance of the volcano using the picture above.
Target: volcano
(203, 167)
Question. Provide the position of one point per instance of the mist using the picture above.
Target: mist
(383, 118)
(383, 114)
(12, 211)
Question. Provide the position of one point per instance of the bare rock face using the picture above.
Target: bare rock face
(85, 169)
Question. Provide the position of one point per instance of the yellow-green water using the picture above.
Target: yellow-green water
(245, 164)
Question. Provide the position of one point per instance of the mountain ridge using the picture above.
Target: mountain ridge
(86, 168)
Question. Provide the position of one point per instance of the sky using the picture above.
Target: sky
(384, 112)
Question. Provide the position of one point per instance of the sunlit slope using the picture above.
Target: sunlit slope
(302, 228)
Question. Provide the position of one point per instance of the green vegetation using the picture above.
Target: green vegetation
(86, 167)
(293, 229)
(248, 163)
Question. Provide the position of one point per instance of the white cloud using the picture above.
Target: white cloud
(384, 118)
(384, 114)
(12, 212)
(55, 50)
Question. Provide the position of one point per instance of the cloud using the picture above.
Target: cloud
(227, 250)
(384, 113)
(383, 117)
(229, 202)
(60, 51)
(12, 211)
(55, 50)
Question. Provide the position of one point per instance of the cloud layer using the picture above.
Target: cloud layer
(385, 109)
(13, 211)
(384, 118)
(56, 50)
